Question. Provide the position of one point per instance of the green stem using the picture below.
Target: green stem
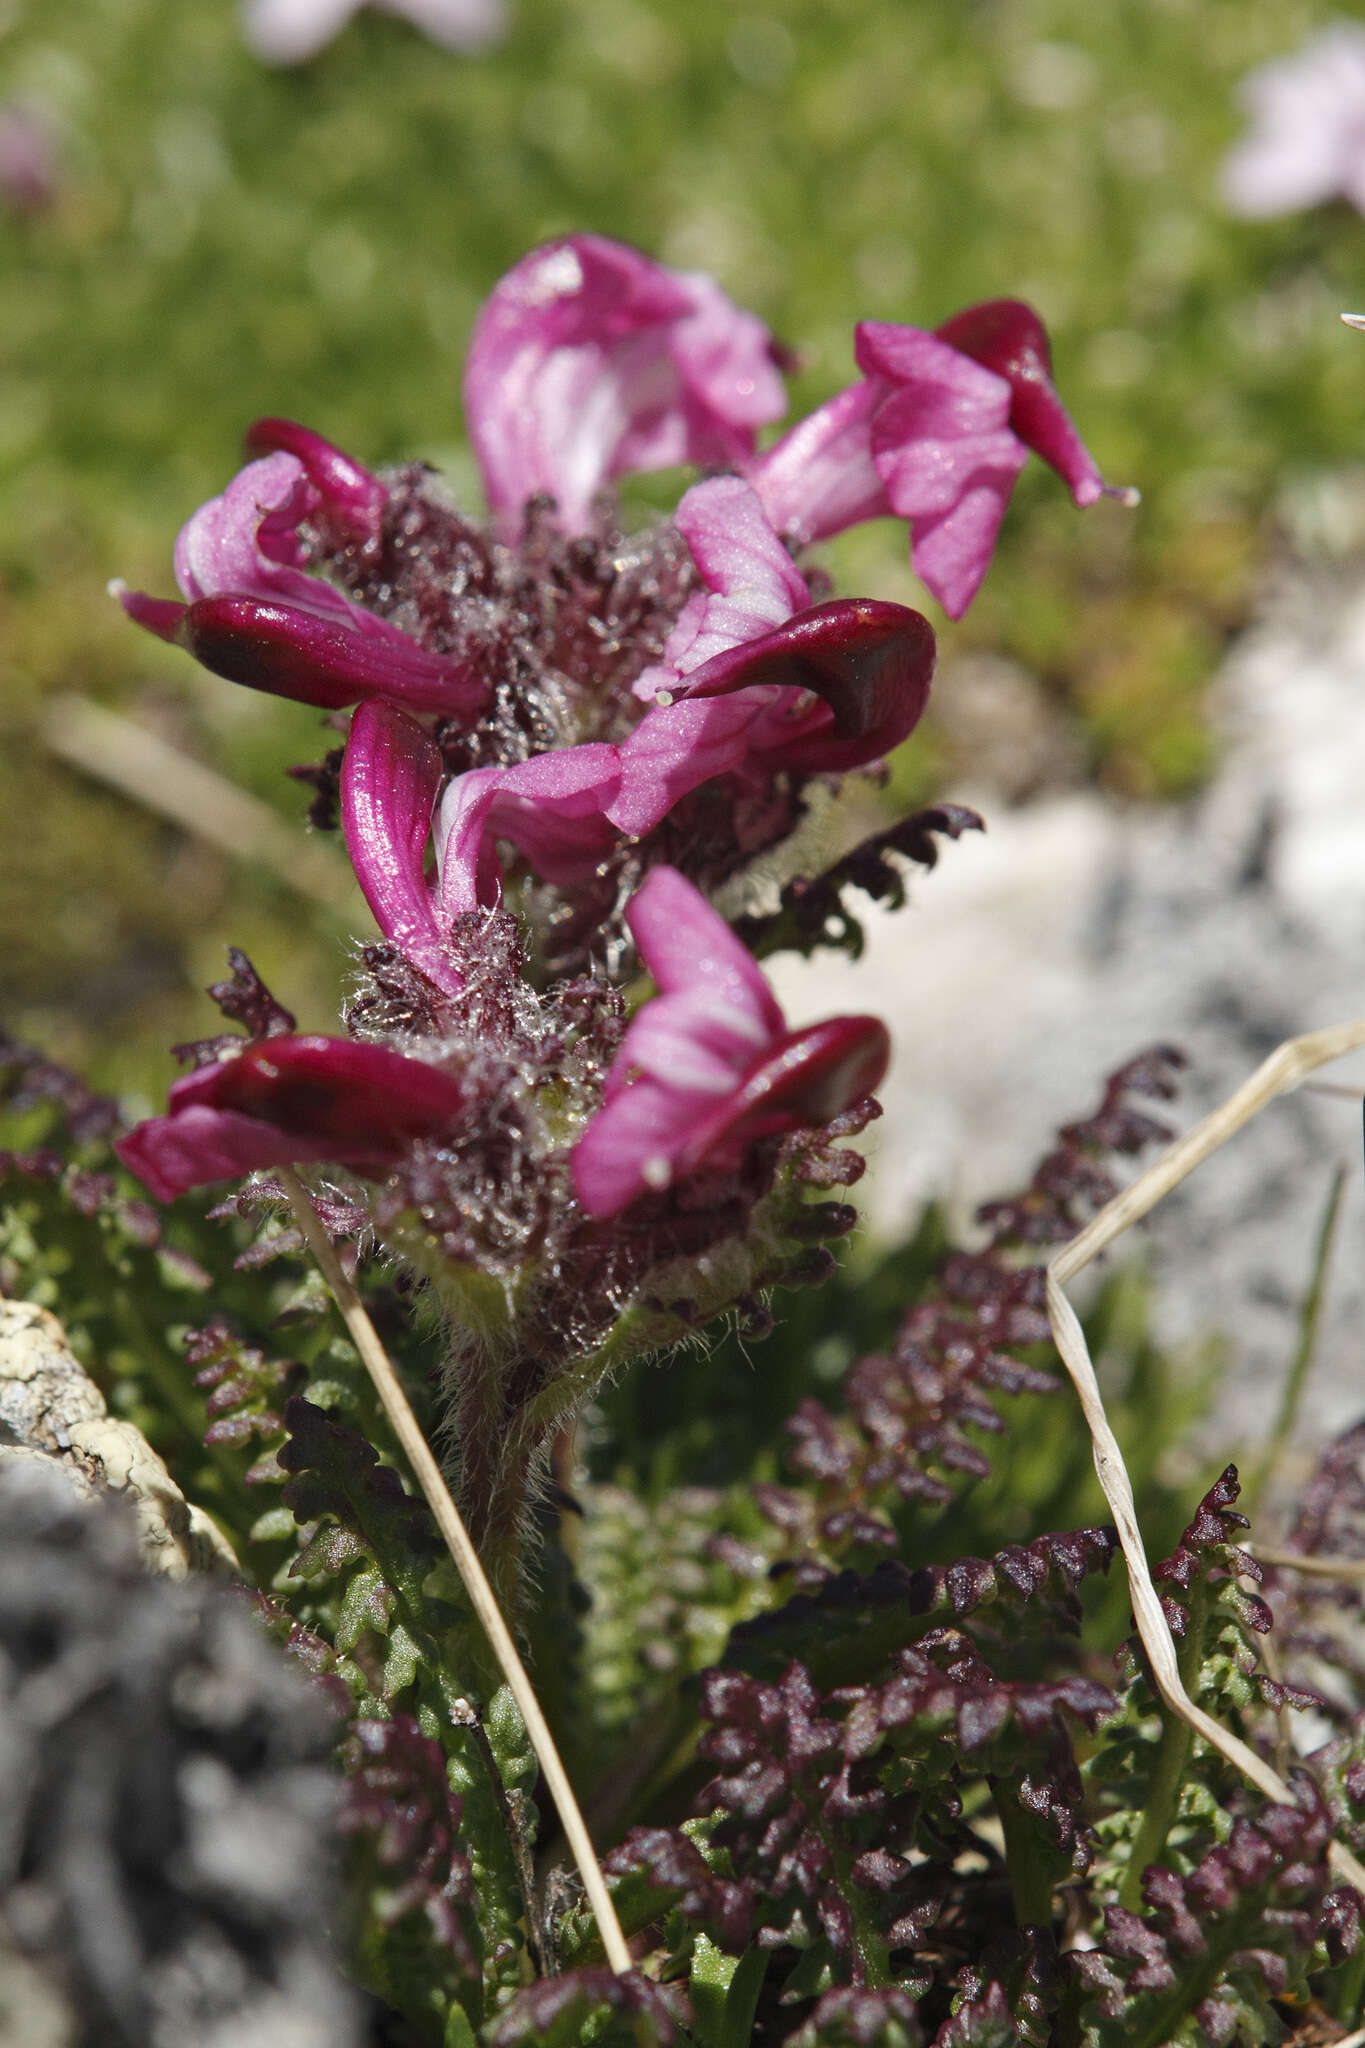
(1168, 1776)
(1159, 1812)
(1029, 1875)
(1350, 1990)
(496, 1454)
(1310, 1317)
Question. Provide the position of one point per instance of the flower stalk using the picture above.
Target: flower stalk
(427, 1473)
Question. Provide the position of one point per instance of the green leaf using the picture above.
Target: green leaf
(724, 1993)
(459, 2033)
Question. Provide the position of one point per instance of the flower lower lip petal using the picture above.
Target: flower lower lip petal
(295, 653)
(869, 662)
(811, 1076)
(288, 1099)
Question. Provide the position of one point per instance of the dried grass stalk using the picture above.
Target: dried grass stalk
(1290, 1064)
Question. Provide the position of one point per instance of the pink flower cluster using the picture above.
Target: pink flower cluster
(599, 722)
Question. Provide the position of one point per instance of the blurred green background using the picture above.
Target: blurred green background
(229, 241)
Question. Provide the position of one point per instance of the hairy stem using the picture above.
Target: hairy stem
(497, 1454)
(465, 1557)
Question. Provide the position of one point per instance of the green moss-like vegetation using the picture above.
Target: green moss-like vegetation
(230, 240)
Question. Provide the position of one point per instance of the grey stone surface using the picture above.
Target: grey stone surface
(50, 1405)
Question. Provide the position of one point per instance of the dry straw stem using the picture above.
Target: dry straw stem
(138, 764)
(1285, 1069)
(428, 1475)
(1346, 1569)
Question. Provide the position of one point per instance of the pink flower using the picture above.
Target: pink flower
(389, 783)
(253, 612)
(589, 360)
(754, 679)
(748, 686)
(1307, 139)
(354, 497)
(752, 583)
(832, 689)
(554, 810)
(290, 31)
(936, 433)
(551, 808)
(246, 542)
(287, 1099)
(709, 1066)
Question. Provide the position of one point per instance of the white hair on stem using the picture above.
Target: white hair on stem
(428, 1475)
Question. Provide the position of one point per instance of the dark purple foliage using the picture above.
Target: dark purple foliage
(624, 2012)
(1209, 1560)
(676, 1874)
(984, 2021)
(337, 1480)
(853, 2018)
(98, 1198)
(1241, 1925)
(811, 912)
(324, 779)
(245, 1393)
(902, 1430)
(843, 1809)
(399, 1803)
(243, 1000)
(305, 1647)
(28, 1079)
(848, 1619)
(1208, 1547)
(1022, 1968)
(1318, 1619)
(79, 1122)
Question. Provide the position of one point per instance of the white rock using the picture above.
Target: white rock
(1076, 932)
(49, 1406)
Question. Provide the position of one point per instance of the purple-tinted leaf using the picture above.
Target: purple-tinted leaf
(399, 1803)
(847, 2018)
(623, 2012)
(984, 2022)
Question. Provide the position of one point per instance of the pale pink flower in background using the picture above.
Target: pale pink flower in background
(28, 160)
(291, 31)
(1307, 138)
